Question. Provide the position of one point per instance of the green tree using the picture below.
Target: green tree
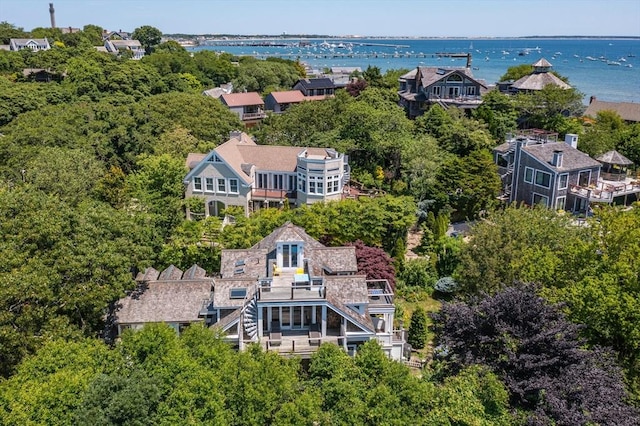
(48, 386)
(70, 174)
(499, 113)
(9, 31)
(148, 36)
(62, 267)
(418, 330)
(517, 72)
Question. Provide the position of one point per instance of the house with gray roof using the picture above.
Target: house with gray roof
(241, 173)
(171, 296)
(536, 168)
(35, 44)
(315, 86)
(628, 111)
(447, 87)
(119, 46)
(538, 79)
(288, 293)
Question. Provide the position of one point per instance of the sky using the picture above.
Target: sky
(414, 18)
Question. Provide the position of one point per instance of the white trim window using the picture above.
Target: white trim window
(222, 185)
(543, 179)
(561, 203)
(540, 199)
(208, 185)
(316, 185)
(563, 181)
(528, 175)
(333, 184)
(197, 183)
(233, 186)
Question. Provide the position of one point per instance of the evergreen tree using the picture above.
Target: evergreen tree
(418, 329)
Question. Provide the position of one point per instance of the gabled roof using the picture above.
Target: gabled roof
(614, 157)
(290, 96)
(165, 301)
(287, 232)
(315, 83)
(21, 42)
(332, 260)
(628, 111)
(241, 151)
(572, 159)
(126, 44)
(241, 99)
(275, 158)
(170, 296)
(431, 75)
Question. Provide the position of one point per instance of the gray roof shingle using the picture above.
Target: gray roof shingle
(572, 158)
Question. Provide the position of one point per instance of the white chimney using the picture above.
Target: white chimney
(571, 140)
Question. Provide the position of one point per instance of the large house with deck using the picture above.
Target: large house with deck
(536, 168)
(447, 87)
(241, 173)
(288, 293)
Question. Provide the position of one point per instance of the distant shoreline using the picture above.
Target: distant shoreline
(356, 37)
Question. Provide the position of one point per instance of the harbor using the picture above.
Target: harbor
(606, 68)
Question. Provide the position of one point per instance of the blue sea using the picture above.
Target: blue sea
(606, 68)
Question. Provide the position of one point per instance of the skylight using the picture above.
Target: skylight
(238, 293)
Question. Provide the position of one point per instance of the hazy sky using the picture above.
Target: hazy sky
(430, 18)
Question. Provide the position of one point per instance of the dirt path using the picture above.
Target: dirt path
(413, 241)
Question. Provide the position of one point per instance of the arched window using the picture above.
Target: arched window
(454, 78)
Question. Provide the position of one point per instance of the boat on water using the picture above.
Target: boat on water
(615, 63)
(591, 58)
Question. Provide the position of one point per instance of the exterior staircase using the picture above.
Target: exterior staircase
(250, 318)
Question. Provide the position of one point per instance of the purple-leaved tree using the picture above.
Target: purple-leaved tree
(537, 353)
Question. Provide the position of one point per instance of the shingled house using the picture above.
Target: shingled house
(536, 80)
(447, 87)
(536, 168)
(172, 297)
(288, 293)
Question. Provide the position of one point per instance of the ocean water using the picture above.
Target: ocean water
(606, 68)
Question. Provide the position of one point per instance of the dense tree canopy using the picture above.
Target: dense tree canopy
(537, 353)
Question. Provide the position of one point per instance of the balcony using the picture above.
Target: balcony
(605, 191)
(380, 293)
(257, 115)
(286, 287)
(272, 194)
